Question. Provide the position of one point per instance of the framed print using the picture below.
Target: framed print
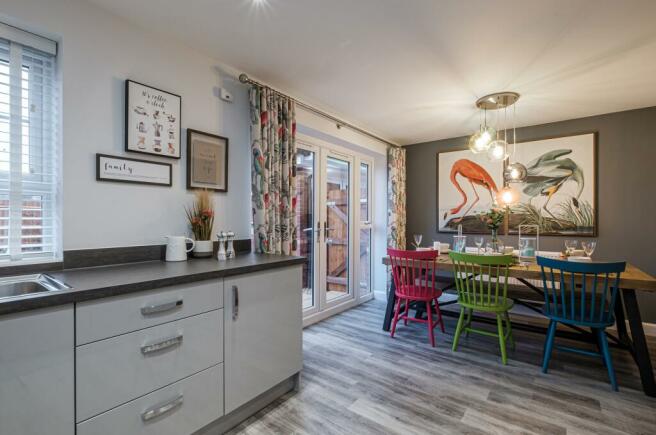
(559, 194)
(152, 120)
(207, 161)
(126, 170)
(467, 185)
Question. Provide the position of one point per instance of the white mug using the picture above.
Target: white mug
(176, 248)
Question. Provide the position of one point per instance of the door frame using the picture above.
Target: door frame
(372, 240)
(315, 308)
(321, 309)
(323, 293)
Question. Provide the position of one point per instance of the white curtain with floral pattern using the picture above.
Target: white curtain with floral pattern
(273, 171)
(396, 198)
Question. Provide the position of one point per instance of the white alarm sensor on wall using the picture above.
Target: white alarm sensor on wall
(225, 95)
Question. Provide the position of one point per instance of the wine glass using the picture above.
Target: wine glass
(417, 238)
(478, 241)
(570, 246)
(589, 247)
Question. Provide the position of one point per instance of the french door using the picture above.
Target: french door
(327, 212)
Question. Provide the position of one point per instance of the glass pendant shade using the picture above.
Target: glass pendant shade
(497, 150)
(479, 142)
(507, 196)
(515, 173)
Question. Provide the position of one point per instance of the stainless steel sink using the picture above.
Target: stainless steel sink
(29, 284)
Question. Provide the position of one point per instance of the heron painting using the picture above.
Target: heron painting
(558, 194)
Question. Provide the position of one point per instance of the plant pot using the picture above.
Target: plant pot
(203, 249)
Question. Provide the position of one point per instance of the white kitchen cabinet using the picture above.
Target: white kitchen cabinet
(263, 327)
(37, 372)
(119, 369)
(181, 408)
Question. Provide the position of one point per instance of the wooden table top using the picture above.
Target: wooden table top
(632, 277)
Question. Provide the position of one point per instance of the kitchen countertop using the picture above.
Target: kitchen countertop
(104, 281)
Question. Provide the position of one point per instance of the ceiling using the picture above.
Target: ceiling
(411, 70)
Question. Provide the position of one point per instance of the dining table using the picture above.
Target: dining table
(631, 339)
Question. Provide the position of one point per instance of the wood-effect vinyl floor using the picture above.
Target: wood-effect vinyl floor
(358, 380)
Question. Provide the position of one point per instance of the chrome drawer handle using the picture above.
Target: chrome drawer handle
(162, 408)
(235, 302)
(161, 344)
(161, 308)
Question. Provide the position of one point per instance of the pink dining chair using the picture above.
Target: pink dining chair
(414, 279)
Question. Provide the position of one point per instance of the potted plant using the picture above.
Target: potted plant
(201, 220)
(493, 219)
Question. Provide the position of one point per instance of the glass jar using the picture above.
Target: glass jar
(459, 243)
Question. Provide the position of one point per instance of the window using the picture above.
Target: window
(365, 229)
(29, 148)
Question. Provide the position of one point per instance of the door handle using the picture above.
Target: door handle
(326, 230)
(235, 302)
(318, 231)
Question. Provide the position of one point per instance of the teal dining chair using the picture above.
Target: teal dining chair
(580, 294)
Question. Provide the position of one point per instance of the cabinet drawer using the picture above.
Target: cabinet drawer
(178, 409)
(116, 370)
(99, 319)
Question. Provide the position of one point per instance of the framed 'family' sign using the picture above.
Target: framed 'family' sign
(207, 161)
(152, 120)
(126, 170)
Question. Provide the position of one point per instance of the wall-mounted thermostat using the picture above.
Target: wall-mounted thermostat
(225, 95)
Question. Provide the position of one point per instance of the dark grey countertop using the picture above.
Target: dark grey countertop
(100, 282)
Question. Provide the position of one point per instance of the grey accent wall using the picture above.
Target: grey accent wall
(626, 183)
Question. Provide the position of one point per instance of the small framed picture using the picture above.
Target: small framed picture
(207, 161)
(126, 170)
(152, 120)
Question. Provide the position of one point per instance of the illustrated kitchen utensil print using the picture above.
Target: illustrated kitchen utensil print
(158, 128)
(140, 110)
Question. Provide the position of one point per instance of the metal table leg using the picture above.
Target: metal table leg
(639, 343)
(389, 310)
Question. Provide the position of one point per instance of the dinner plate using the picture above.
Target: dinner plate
(579, 259)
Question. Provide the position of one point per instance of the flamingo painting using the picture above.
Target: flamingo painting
(476, 175)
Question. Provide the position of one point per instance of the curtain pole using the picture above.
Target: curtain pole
(243, 78)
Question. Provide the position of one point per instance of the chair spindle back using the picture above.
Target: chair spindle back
(481, 279)
(582, 292)
(413, 272)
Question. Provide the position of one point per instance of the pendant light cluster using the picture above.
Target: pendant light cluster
(493, 141)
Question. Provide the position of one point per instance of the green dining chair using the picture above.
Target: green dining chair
(482, 285)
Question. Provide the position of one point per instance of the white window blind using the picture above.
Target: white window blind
(29, 154)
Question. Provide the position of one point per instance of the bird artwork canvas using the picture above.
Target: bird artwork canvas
(558, 194)
(468, 185)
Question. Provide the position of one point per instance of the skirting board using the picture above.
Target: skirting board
(245, 411)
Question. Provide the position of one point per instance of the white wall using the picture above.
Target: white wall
(98, 51)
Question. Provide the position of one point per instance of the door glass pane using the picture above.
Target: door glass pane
(364, 192)
(337, 240)
(365, 261)
(305, 221)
